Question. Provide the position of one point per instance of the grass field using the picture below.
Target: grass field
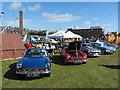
(118, 39)
(101, 72)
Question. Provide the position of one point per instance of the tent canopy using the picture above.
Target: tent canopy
(59, 34)
(70, 34)
(64, 34)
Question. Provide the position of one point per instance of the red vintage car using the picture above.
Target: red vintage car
(72, 53)
(29, 45)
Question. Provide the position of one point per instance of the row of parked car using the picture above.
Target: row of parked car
(36, 61)
(77, 52)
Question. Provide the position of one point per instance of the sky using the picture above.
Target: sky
(54, 16)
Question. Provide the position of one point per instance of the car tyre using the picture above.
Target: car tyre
(65, 62)
(84, 62)
(48, 75)
(19, 76)
(102, 52)
(63, 59)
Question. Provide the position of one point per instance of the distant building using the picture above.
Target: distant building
(14, 30)
(94, 32)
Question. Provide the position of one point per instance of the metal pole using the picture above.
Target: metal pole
(7, 26)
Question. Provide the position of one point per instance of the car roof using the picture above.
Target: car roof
(85, 43)
(37, 48)
(93, 42)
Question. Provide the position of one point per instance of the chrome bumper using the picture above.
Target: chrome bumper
(76, 61)
(33, 72)
(109, 51)
(94, 54)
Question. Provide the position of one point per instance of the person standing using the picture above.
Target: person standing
(53, 48)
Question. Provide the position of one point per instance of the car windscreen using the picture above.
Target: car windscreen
(35, 52)
(95, 44)
(87, 45)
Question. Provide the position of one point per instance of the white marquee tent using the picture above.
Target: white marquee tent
(59, 34)
(64, 34)
(70, 34)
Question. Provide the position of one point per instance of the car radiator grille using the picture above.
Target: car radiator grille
(76, 59)
(31, 69)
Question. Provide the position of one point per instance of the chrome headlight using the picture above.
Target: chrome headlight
(19, 65)
(47, 65)
(99, 50)
(85, 56)
(107, 50)
(68, 57)
(114, 49)
(89, 51)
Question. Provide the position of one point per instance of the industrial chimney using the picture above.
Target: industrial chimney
(21, 22)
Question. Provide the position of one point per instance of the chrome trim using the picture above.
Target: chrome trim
(78, 61)
(32, 72)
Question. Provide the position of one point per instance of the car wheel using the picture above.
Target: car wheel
(65, 62)
(84, 62)
(102, 52)
(48, 75)
(19, 76)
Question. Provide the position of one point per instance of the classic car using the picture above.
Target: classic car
(104, 49)
(34, 63)
(89, 50)
(110, 44)
(28, 45)
(72, 54)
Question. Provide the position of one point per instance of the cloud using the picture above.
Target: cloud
(108, 29)
(60, 0)
(76, 27)
(15, 23)
(107, 24)
(36, 7)
(97, 24)
(87, 23)
(96, 18)
(10, 23)
(15, 6)
(27, 22)
(52, 17)
(83, 11)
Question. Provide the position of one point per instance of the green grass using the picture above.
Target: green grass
(118, 39)
(101, 72)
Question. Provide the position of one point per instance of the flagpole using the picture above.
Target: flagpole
(7, 26)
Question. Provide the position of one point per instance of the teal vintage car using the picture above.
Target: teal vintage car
(104, 48)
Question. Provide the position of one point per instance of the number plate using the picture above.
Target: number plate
(77, 61)
(32, 75)
(96, 54)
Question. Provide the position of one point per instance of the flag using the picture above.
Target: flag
(17, 18)
(2, 13)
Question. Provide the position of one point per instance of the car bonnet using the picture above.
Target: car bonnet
(76, 45)
(34, 62)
